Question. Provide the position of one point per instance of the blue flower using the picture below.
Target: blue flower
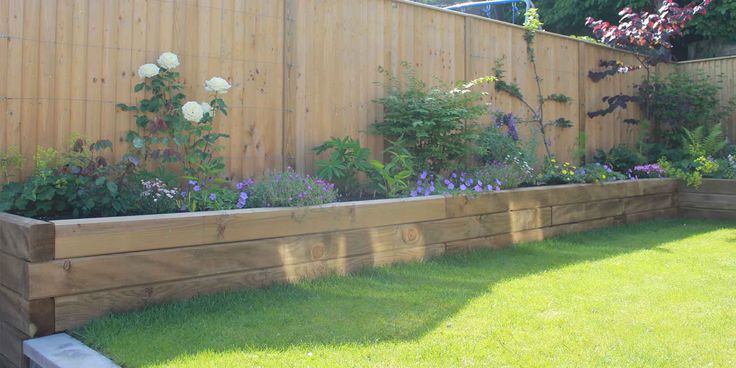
(192, 182)
(213, 196)
(423, 175)
(463, 187)
(413, 193)
(197, 188)
(498, 182)
(450, 186)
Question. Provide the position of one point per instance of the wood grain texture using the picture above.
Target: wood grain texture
(72, 311)
(648, 203)
(11, 344)
(586, 211)
(77, 238)
(708, 201)
(29, 317)
(302, 71)
(86, 274)
(14, 274)
(26, 238)
(707, 213)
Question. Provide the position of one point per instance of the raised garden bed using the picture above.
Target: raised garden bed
(58, 275)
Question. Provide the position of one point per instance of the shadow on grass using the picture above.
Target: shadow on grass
(386, 304)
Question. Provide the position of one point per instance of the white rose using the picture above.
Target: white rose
(192, 111)
(217, 85)
(148, 71)
(206, 108)
(168, 60)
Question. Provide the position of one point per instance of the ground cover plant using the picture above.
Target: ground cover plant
(650, 294)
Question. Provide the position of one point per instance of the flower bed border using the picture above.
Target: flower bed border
(58, 275)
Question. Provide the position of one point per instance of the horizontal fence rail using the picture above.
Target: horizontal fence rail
(302, 70)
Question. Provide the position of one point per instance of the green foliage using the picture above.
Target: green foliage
(621, 158)
(703, 141)
(73, 184)
(164, 134)
(495, 145)
(435, 124)
(718, 24)
(690, 171)
(680, 100)
(11, 161)
(392, 178)
(566, 173)
(208, 195)
(511, 173)
(290, 189)
(347, 159)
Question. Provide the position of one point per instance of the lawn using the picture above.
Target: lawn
(653, 294)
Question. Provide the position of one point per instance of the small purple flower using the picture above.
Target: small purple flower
(419, 182)
(469, 182)
(413, 193)
(498, 188)
(463, 187)
(239, 186)
(431, 188)
(423, 175)
(183, 194)
(213, 196)
(197, 188)
(478, 188)
(498, 182)
(192, 182)
(489, 187)
(450, 186)
(454, 175)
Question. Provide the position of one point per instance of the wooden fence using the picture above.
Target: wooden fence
(302, 70)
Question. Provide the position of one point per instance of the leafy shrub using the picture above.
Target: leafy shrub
(680, 100)
(392, 178)
(500, 142)
(726, 168)
(566, 173)
(345, 162)
(157, 197)
(290, 189)
(621, 158)
(436, 124)
(171, 130)
(704, 141)
(76, 183)
(454, 184)
(511, 173)
(11, 161)
(212, 195)
(690, 171)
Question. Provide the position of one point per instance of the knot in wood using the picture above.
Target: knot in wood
(411, 235)
(67, 265)
(318, 251)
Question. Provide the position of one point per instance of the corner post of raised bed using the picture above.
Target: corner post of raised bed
(23, 241)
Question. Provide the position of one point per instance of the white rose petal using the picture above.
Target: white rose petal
(206, 108)
(217, 85)
(148, 71)
(192, 111)
(168, 60)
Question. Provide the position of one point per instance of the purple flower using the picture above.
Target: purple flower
(463, 187)
(489, 187)
(419, 182)
(213, 196)
(192, 182)
(423, 175)
(450, 186)
(197, 188)
(478, 188)
(498, 188)
(454, 175)
(498, 182)
(413, 193)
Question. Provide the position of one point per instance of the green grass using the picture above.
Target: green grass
(655, 294)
